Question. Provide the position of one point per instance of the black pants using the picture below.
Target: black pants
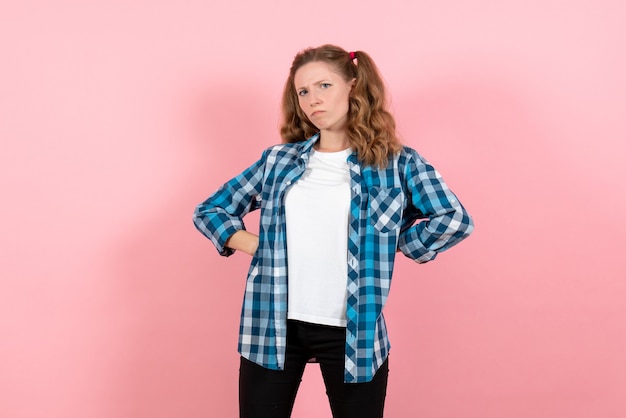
(265, 393)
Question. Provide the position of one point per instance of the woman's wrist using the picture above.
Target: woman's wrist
(243, 241)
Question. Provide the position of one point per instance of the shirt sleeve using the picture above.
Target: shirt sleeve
(446, 222)
(221, 215)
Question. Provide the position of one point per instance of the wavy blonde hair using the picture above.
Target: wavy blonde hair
(371, 129)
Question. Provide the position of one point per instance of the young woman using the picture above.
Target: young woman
(338, 199)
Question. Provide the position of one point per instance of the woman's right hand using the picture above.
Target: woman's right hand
(243, 241)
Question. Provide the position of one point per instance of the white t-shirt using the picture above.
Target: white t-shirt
(317, 208)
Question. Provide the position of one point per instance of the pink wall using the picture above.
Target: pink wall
(117, 117)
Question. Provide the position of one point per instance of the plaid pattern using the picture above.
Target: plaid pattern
(384, 209)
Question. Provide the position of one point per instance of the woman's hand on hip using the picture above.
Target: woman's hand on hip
(243, 241)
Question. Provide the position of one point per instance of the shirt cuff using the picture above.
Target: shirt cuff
(412, 247)
(222, 238)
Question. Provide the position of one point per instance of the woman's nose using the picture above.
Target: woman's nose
(313, 100)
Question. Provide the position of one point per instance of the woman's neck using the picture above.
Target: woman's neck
(332, 142)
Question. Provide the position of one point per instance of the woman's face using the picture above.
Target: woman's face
(323, 95)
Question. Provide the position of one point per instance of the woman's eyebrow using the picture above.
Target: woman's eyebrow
(322, 81)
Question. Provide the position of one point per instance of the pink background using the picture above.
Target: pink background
(117, 117)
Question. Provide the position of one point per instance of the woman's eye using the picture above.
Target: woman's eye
(302, 92)
(325, 85)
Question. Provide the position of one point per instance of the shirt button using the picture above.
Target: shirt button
(288, 183)
(352, 262)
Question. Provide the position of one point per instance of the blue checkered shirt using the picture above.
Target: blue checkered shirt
(385, 210)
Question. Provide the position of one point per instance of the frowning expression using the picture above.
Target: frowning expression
(323, 95)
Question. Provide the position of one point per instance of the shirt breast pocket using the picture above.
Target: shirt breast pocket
(386, 208)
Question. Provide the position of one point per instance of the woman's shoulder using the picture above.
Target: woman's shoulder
(409, 155)
(288, 150)
(281, 152)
